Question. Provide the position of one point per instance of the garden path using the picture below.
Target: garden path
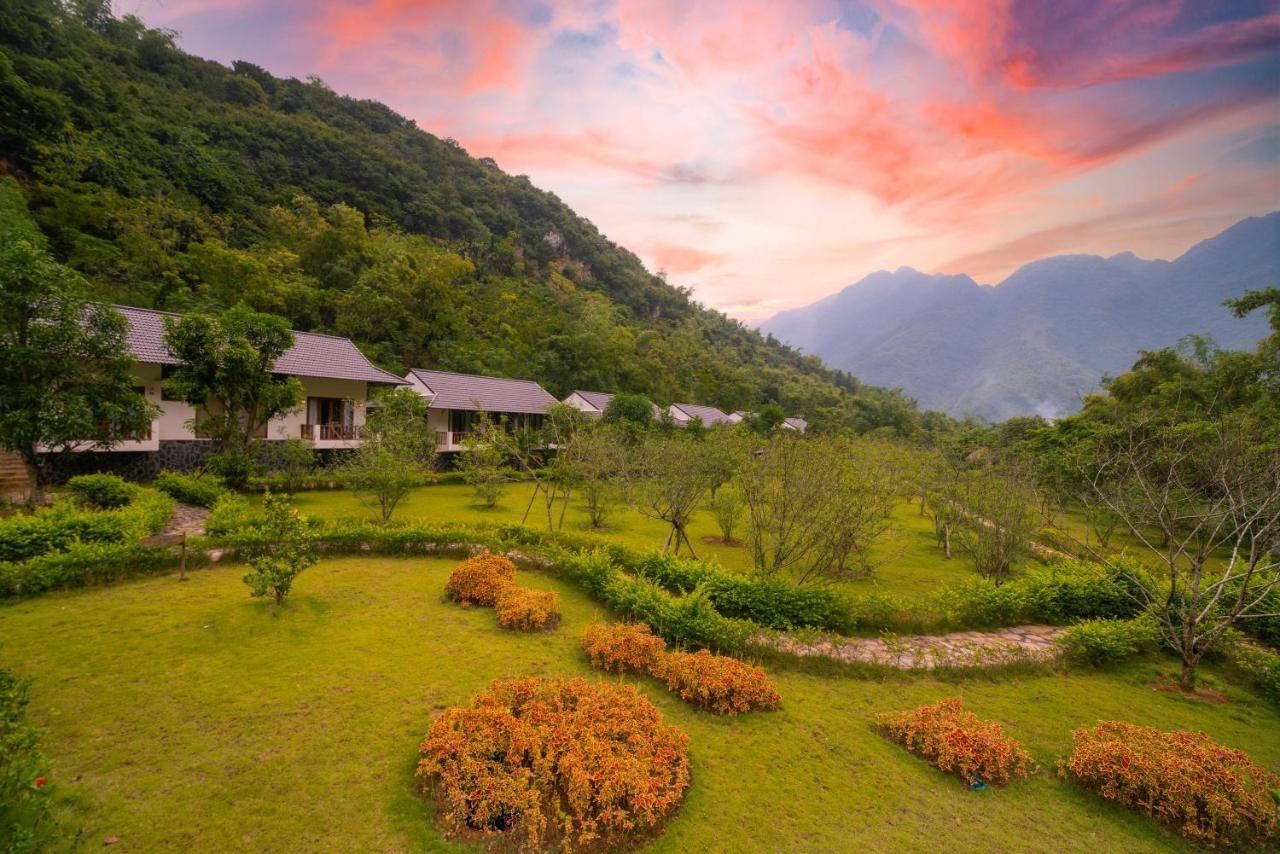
(958, 649)
(186, 520)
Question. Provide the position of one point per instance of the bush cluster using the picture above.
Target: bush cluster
(1262, 665)
(1099, 642)
(478, 580)
(622, 647)
(539, 763)
(26, 823)
(959, 742)
(198, 490)
(1212, 794)
(526, 610)
(715, 683)
(101, 491)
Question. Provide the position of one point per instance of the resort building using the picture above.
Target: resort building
(455, 402)
(683, 413)
(797, 424)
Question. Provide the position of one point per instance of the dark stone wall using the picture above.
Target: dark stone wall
(184, 455)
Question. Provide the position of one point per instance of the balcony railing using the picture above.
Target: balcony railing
(331, 432)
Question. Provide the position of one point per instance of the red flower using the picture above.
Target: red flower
(40, 782)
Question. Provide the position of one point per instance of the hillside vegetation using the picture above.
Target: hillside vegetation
(174, 182)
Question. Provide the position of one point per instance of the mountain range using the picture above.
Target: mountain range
(1043, 337)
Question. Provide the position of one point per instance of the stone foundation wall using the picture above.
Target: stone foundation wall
(184, 455)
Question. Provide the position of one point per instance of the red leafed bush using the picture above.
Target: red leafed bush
(480, 578)
(717, 683)
(622, 647)
(1212, 794)
(526, 610)
(959, 742)
(536, 763)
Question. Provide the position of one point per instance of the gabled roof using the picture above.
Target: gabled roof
(600, 399)
(709, 414)
(482, 394)
(312, 354)
(797, 423)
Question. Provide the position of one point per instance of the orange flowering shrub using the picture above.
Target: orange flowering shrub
(480, 578)
(536, 763)
(959, 742)
(1212, 794)
(622, 647)
(526, 610)
(716, 683)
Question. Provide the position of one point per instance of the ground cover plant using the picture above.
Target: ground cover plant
(958, 742)
(196, 489)
(488, 579)
(555, 762)
(526, 610)
(26, 822)
(1212, 794)
(622, 647)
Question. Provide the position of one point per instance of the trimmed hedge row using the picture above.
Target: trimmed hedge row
(199, 490)
(68, 524)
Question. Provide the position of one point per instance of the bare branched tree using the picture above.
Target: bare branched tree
(666, 479)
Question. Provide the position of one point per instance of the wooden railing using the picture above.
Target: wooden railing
(330, 432)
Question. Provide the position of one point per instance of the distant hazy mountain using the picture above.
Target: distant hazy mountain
(1044, 336)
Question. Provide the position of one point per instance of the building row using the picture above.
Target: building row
(338, 381)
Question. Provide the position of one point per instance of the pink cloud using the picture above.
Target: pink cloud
(681, 259)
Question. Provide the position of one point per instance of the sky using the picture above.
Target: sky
(766, 154)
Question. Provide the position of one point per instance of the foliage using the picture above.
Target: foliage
(199, 490)
(483, 462)
(717, 683)
(81, 565)
(288, 549)
(65, 524)
(539, 763)
(1262, 665)
(594, 461)
(622, 647)
(397, 453)
(665, 480)
(65, 380)
(727, 506)
(226, 370)
(231, 514)
(958, 742)
(997, 519)
(480, 579)
(1212, 794)
(26, 822)
(1099, 642)
(101, 491)
(633, 411)
(526, 610)
(292, 462)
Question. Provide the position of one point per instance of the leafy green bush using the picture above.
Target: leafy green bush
(81, 565)
(1066, 592)
(1099, 642)
(230, 514)
(287, 550)
(64, 524)
(200, 490)
(102, 491)
(26, 823)
(1263, 665)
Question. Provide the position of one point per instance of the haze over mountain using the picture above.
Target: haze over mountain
(1044, 336)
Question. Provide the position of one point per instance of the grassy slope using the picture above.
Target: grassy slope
(914, 566)
(190, 716)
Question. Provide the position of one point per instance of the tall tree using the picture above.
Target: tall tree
(65, 379)
(226, 371)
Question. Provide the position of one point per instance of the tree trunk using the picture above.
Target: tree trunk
(35, 478)
(1187, 683)
(946, 540)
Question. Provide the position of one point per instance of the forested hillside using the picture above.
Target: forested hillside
(173, 182)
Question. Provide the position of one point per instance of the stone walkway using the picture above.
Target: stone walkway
(186, 520)
(925, 652)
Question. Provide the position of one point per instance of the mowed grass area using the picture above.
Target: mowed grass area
(190, 716)
(908, 561)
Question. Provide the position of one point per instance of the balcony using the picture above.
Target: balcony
(333, 435)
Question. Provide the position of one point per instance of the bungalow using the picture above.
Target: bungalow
(797, 424)
(593, 403)
(336, 380)
(683, 413)
(455, 401)
(738, 416)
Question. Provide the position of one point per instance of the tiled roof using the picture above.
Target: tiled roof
(798, 423)
(483, 394)
(600, 399)
(709, 414)
(312, 355)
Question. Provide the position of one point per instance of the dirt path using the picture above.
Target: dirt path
(958, 649)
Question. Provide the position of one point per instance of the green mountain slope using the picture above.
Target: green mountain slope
(174, 182)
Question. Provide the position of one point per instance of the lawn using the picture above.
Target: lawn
(189, 716)
(908, 561)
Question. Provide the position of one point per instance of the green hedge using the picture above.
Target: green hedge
(81, 565)
(103, 491)
(1100, 642)
(65, 524)
(198, 490)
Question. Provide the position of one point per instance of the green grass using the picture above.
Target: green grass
(189, 716)
(909, 563)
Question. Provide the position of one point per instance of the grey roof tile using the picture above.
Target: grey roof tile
(709, 414)
(483, 394)
(312, 354)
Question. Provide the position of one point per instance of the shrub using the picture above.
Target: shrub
(526, 610)
(539, 763)
(1099, 642)
(958, 742)
(79, 565)
(65, 524)
(190, 488)
(622, 647)
(103, 491)
(1069, 591)
(288, 550)
(1212, 794)
(1262, 665)
(717, 683)
(479, 579)
(26, 823)
(231, 514)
